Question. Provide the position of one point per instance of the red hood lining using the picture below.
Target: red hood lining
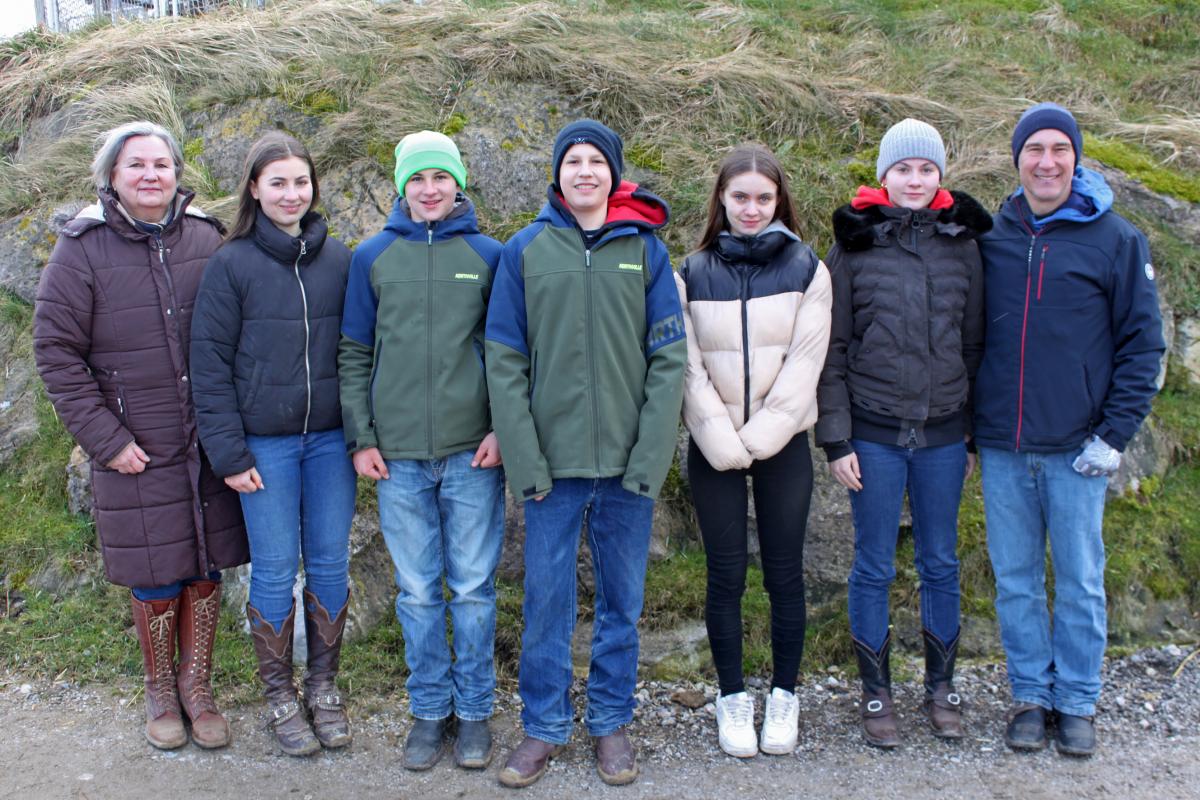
(868, 196)
(625, 205)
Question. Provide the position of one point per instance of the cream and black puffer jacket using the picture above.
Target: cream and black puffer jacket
(757, 311)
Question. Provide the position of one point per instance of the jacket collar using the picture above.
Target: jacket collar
(630, 209)
(460, 221)
(1091, 197)
(757, 249)
(875, 224)
(285, 248)
(107, 210)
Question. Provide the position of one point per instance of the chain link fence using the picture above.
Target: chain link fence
(65, 16)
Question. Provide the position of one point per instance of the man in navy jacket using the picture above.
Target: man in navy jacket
(1072, 352)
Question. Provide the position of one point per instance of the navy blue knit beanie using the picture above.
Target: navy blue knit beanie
(1040, 117)
(597, 134)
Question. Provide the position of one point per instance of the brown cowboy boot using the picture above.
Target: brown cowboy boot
(155, 622)
(878, 714)
(329, 720)
(274, 651)
(199, 607)
(943, 705)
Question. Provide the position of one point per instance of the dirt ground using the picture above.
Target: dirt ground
(64, 741)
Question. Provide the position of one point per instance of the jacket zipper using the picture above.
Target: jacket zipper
(745, 346)
(1024, 331)
(591, 358)
(307, 367)
(171, 310)
(429, 339)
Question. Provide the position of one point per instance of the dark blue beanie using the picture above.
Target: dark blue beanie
(1040, 117)
(597, 134)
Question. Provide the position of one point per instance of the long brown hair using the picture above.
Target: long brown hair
(748, 158)
(272, 147)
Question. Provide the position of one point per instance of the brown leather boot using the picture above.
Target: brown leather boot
(329, 719)
(878, 714)
(199, 608)
(943, 705)
(274, 651)
(616, 760)
(528, 762)
(155, 622)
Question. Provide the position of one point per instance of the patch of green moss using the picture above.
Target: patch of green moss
(383, 153)
(321, 102)
(193, 149)
(1137, 163)
(645, 156)
(454, 124)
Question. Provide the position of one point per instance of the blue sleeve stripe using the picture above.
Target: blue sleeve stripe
(664, 316)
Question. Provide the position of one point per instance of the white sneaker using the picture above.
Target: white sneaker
(735, 725)
(780, 723)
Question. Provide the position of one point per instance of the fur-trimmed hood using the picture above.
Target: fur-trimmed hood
(860, 230)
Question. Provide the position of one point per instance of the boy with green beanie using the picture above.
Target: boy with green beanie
(415, 411)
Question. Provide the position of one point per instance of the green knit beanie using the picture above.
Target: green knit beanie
(428, 150)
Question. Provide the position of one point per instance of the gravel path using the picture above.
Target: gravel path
(64, 741)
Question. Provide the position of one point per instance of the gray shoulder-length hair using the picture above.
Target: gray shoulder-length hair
(111, 142)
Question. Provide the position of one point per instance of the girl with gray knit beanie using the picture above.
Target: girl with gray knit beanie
(894, 402)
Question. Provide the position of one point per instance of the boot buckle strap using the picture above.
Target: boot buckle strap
(282, 713)
(329, 702)
(954, 699)
(874, 706)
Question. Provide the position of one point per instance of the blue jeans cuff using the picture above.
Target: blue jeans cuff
(427, 713)
(547, 735)
(1085, 710)
(606, 729)
(469, 716)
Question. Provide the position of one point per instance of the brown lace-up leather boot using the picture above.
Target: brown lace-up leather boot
(274, 651)
(943, 705)
(199, 609)
(878, 714)
(329, 719)
(155, 621)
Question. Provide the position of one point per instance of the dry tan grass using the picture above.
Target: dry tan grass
(686, 85)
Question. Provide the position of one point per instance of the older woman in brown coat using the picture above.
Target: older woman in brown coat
(111, 335)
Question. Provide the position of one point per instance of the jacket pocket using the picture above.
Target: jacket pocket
(111, 382)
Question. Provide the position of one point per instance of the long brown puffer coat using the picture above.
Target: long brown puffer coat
(111, 335)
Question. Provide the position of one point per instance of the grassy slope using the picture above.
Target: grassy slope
(817, 81)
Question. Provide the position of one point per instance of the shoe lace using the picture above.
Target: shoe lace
(740, 710)
(779, 708)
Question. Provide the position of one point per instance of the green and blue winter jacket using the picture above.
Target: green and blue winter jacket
(586, 349)
(411, 359)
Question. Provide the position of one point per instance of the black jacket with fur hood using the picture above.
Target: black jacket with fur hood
(908, 325)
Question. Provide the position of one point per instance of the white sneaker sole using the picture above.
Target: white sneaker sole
(737, 752)
(785, 749)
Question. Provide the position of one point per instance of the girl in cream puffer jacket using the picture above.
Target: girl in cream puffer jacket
(756, 306)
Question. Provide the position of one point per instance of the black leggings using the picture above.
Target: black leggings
(782, 488)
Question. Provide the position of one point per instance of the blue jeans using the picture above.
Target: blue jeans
(618, 532)
(1026, 497)
(443, 517)
(305, 507)
(933, 478)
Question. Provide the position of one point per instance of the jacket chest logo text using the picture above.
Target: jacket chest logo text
(632, 267)
(466, 276)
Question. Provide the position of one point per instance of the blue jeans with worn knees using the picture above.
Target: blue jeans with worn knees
(149, 593)
(443, 517)
(1028, 497)
(303, 510)
(618, 534)
(933, 478)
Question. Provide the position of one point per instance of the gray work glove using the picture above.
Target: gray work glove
(1098, 458)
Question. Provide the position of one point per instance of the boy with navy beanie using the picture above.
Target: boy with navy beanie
(1071, 357)
(586, 355)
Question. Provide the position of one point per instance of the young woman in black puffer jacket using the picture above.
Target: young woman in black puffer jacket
(264, 381)
(894, 402)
